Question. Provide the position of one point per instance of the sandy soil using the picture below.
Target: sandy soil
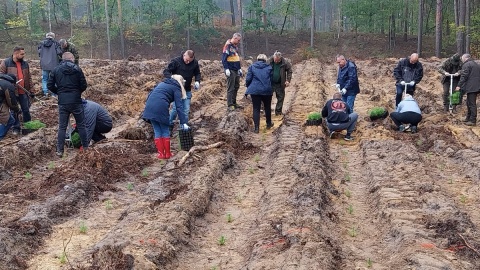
(287, 198)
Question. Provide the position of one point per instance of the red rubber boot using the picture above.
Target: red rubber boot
(166, 144)
(160, 148)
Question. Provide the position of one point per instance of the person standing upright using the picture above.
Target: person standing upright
(347, 80)
(408, 73)
(282, 75)
(68, 82)
(187, 66)
(50, 54)
(450, 69)
(233, 71)
(69, 47)
(20, 68)
(470, 84)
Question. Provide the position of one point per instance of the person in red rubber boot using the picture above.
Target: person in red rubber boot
(156, 111)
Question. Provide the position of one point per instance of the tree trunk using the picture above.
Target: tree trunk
(232, 10)
(285, 17)
(467, 26)
(89, 14)
(438, 29)
(312, 29)
(405, 22)
(420, 27)
(240, 11)
(108, 30)
(120, 25)
(461, 26)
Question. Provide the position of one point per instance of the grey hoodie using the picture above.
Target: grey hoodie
(408, 104)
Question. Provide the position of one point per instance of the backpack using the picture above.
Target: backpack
(338, 106)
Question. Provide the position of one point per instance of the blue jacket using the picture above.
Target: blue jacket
(158, 102)
(259, 79)
(408, 104)
(230, 56)
(348, 79)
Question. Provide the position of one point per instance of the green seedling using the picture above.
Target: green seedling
(377, 112)
(108, 204)
(244, 184)
(450, 181)
(341, 142)
(369, 263)
(222, 240)
(229, 218)
(350, 209)
(144, 172)
(345, 165)
(419, 142)
(251, 170)
(352, 232)
(63, 258)
(130, 186)
(347, 177)
(314, 116)
(256, 158)
(264, 137)
(429, 154)
(51, 165)
(463, 198)
(345, 152)
(28, 175)
(441, 166)
(213, 268)
(348, 194)
(238, 198)
(83, 227)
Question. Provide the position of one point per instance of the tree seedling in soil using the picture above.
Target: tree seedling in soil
(63, 258)
(348, 193)
(144, 172)
(222, 240)
(238, 198)
(251, 170)
(450, 181)
(108, 204)
(369, 263)
(347, 177)
(419, 142)
(345, 152)
(352, 232)
(264, 137)
(213, 268)
(345, 165)
(350, 209)
(463, 198)
(28, 175)
(229, 218)
(256, 158)
(83, 227)
(51, 165)
(130, 186)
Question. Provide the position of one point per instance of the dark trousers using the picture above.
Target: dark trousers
(24, 101)
(100, 129)
(411, 118)
(257, 100)
(399, 93)
(280, 95)
(472, 107)
(64, 112)
(233, 84)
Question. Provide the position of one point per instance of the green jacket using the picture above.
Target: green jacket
(452, 65)
(71, 48)
(285, 70)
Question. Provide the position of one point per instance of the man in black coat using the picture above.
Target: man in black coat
(187, 66)
(409, 73)
(68, 82)
(469, 84)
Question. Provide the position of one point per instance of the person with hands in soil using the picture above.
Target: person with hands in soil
(407, 115)
(8, 103)
(17, 66)
(282, 75)
(156, 111)
(347, 80)
(187, 66)
(233, 71)
(408, 73)
(259, 87)
(68, 82)
(339, 116)
(450, 69)
(470, 84)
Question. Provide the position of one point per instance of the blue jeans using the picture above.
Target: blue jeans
(399, 92)
(4, 128)
(350, 100)
(186, 108)
(160, 130)
(64, 112)
(349, 126)
(45, 74)
(24, 101)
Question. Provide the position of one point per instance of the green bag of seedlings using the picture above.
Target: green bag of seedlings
(455, 98)
(75, 140)
(35, 124)
(378, 113)
(314, 116)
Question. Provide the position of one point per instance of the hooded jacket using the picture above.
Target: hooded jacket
(259, 79)
(348, 78)
(159, 99)
(336, 117)
(188, 71)
(8, 100)
(50, 52)
(408, 104)
(68, 82)
(470, 77)
(407, 72)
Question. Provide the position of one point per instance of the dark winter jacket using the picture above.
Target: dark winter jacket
(9, 66)
(259, 79)
(452, 65)
(348, 79)
(407, 72)
(8, 100)
(188, 71)
(95, 113)
(50, 52)
(68, 82)
(158, 102)
(470, 77)
(334, 116)
(285, 70)
(230, 56)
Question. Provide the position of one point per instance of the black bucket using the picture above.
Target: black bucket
(186, 139)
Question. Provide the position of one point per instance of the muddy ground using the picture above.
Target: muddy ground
(287, 198)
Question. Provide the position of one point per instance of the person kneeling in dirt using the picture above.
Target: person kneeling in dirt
(339, 116)
(8, 103)
(156, 111)
(408, 114)
(68, 82)
(97, 121)
(259, 86)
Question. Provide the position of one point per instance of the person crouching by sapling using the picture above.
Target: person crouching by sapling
(339, 116)
(157, 111)
(408, 114)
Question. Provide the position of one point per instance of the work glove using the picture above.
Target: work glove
(197, 85)
(185, 127)
(240, 73)
(447, 74)
(402, 82)
(227, 72)
(412, 83)
(337, 86)
(344, 91)
(456, 74)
